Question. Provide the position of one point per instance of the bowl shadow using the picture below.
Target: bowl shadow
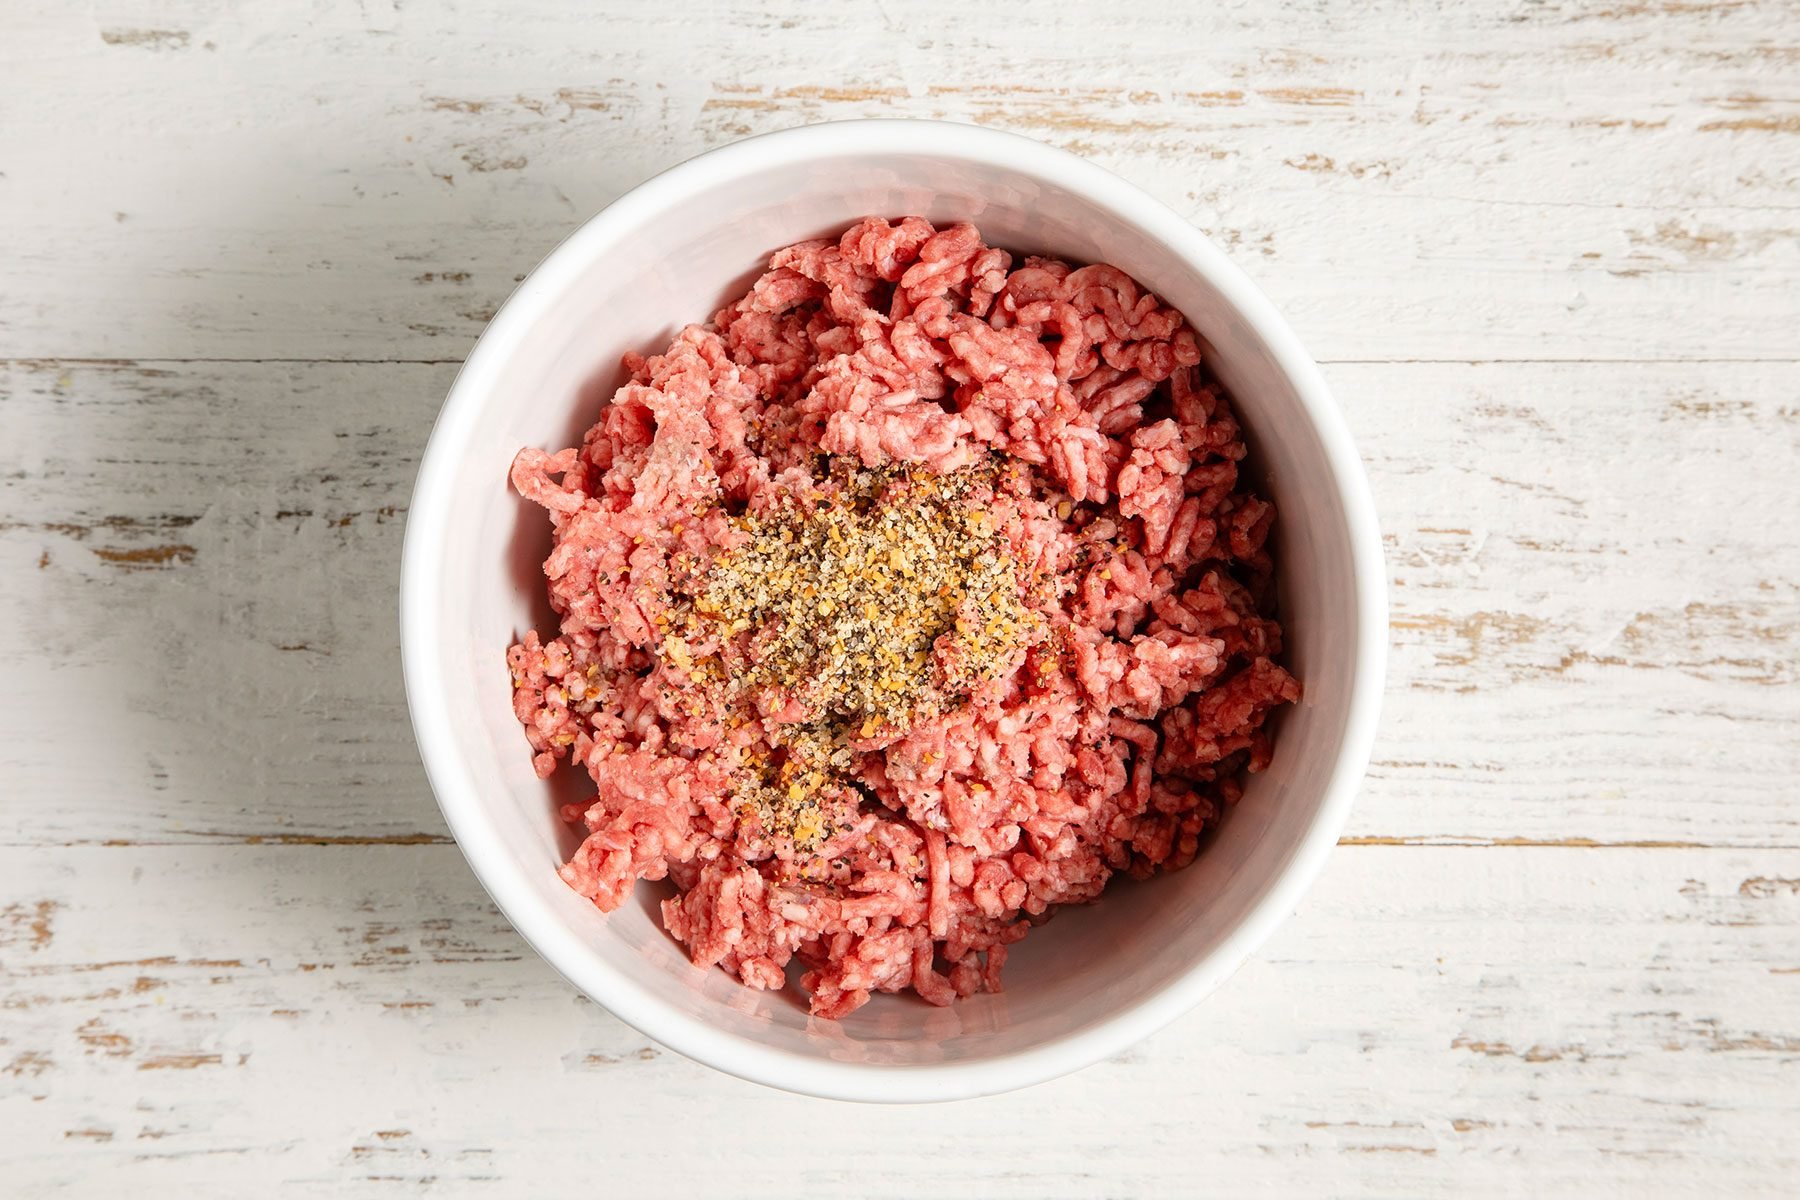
(260, 715)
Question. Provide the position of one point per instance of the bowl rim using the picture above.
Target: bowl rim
(507, 881)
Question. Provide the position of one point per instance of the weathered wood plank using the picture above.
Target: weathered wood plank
(1432, 1021)
(1595, 606)
(1409, 180)
(1596, 621)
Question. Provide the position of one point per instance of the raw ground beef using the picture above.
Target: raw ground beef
(1108, 740)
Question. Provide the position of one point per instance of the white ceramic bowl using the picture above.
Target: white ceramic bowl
(1094, 979)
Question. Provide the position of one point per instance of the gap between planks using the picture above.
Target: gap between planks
(30, 360)
(1445, 841)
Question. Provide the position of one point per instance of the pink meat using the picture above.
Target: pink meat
(1114, 746)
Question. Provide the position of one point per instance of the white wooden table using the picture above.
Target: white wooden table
(1547, 253)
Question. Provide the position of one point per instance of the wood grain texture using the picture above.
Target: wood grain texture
(362, 179)
(219, 1015)
(1547, 251)
(1593, 576)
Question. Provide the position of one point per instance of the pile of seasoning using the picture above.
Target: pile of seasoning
(878, 597)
